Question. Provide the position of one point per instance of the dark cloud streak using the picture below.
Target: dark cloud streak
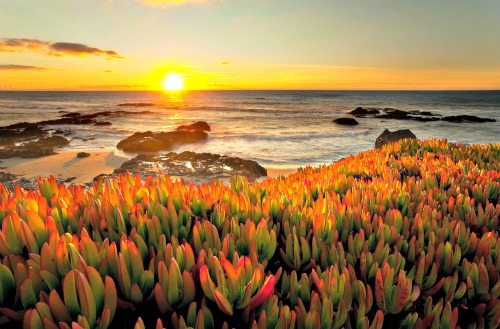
(15, 67)
(13, 45)
(81, 49)
(57, 49)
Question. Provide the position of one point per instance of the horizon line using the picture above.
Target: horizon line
(222, 90)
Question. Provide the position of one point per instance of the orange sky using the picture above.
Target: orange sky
(239, 44)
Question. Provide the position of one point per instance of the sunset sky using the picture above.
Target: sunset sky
(249, 44)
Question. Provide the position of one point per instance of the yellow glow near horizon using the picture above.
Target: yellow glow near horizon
(173, 82)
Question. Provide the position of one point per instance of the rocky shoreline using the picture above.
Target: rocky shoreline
(27, 140)
(194, 167)
(152, 150)
(423, 116)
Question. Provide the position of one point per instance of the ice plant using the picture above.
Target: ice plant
(403, 236)
(236, 286)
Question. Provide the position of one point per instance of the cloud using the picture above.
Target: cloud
(57, 49)
(16, 45)
(79, 49)
(167, 3)
(224, 62)
(14, 67)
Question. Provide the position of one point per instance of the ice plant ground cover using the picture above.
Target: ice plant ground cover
(404, 236)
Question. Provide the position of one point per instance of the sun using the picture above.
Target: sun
(173, 82)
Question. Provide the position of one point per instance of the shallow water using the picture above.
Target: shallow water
(275, 128)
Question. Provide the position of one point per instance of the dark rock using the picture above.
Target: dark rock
(35, 139)
(7, 143)
(71, 115)
(387, 137)
(466, 118)
(22, 131)
(194, 167)
(416, 115)
(53, 141)
(103, 123)
(75, 118)
(408, 115)
(82, 155)
(143, 142)
(359, 112)
(68, 180)
(10, 180)
(346, 121)
(34, 149)
(4, 177)
(154, 142)
(395, 113)
(25, 152)
(199, 125)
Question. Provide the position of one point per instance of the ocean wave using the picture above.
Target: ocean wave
(296, 137)
(248, 109)
(18, 107)
(315, 95)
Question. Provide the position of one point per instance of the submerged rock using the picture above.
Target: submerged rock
(42, 147)
(416, 115)
(346, 121)
(467, 118)
(199, 125)
(408, 115)
(53, 141)
(387, 137)
(193, 167)
(360, 112)
(154, 142)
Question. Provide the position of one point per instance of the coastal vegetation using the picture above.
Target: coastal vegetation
(402, 236)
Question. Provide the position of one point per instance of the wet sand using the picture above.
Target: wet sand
(65, 166)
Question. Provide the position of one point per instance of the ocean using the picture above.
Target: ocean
(282, 129)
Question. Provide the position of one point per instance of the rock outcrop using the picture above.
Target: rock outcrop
(37, 139)
(193, 167)
(199, 125)
(346, 121)
(163, 141)
(387, 137)
(82, 155)
(466, 118)
(361, 112)
(33, 149)
(416, 115)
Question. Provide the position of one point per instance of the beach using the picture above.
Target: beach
(65, 166)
